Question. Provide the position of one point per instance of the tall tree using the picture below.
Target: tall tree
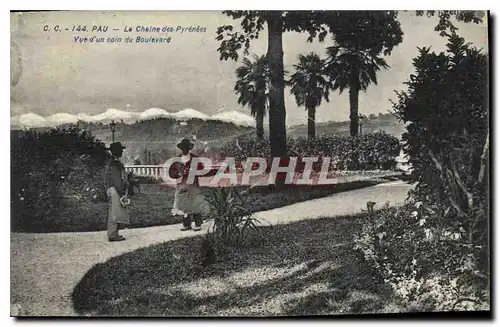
(309, 84)
(354, 69)
(382, 26)
(252, 86)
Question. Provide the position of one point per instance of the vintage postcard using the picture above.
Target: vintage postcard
(249, 163)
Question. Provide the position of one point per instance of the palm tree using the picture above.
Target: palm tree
(253, 89)
(309, 84)
(353, 69)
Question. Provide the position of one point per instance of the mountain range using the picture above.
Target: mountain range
(385, 122)
(32, 120)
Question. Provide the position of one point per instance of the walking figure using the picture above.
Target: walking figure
(188, 198)
(116, 187)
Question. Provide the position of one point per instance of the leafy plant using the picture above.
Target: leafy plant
(447, 139)
(232, 223)
(232, 219)
(428, 265)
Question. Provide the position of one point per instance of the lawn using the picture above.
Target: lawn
(304, 268)
(153, 207)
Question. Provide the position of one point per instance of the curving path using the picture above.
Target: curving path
(46, 267)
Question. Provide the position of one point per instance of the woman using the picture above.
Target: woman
(188, 197)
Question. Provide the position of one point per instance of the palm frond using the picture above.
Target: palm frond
(342, 61)
(252, 84)
(310, 80)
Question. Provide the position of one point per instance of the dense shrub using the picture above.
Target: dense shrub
(429, 267)
(434, 251)
(50, 168)
(447, 115)
(367, 152)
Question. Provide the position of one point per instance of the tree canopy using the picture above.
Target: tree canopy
(377, 30)
(445, 26)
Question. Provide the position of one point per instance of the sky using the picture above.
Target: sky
(54, 74)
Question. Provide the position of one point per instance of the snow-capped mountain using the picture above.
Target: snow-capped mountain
(154, 113)
(62, 118)
(32, 120)
(85, 117)
(235, 117)
(190, 114)
(117, 115)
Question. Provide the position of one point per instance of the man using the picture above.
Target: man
(188, 197)
(116, 185)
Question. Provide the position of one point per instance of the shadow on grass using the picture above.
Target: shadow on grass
(303, 268)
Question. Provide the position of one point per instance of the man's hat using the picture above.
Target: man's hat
(116, 146)
(185, 144)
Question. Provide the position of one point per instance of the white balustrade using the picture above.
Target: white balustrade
(150, 170)
(145, 170)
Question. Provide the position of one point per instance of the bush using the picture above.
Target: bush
(434, 251)
(430, 268)
(148, 179)
(50, 168)
(84, 183)
(447, 139)
(367, 152)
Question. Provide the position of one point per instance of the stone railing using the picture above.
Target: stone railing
(146, 170)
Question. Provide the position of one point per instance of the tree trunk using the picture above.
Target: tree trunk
(353, 103)
(277, 112)
(484, 167)
(259, 125)
(311, 122)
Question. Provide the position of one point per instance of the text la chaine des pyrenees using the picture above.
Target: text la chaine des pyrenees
(165, 29)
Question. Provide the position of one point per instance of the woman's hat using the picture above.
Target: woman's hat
(185, 144)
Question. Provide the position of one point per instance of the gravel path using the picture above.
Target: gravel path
(46, 267)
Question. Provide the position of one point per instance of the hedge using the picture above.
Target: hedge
(368, 152)
(50, 169)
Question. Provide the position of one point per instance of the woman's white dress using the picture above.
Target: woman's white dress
(188, 197)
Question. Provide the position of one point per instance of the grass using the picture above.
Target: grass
(304, 268)
(150, 208)
(153, 207)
